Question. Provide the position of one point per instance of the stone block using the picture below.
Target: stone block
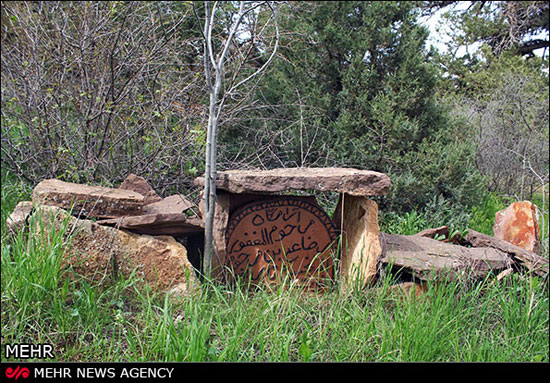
(99, 252)
(518, 225)
(357, 218)
(88, 201)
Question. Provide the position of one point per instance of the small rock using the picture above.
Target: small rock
(504, 274)
(174, 204)
(140, 185)
(18, 218)
(410, 288)
(432, 233)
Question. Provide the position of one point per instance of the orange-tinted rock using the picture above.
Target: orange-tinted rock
(286, 234)
(518, 225)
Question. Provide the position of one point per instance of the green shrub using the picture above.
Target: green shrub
(483, 216)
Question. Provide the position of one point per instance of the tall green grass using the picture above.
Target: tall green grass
(117, 321)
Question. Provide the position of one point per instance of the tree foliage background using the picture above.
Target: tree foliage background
(92, 91)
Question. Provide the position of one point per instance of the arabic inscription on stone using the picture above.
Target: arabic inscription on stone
(286, 234)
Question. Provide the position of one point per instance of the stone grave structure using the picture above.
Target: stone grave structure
(259, 232)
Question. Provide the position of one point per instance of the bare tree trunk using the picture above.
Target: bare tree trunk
(215, 64)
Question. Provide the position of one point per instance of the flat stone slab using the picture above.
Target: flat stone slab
(425, 258)
(157, 224)
(174, 204)
(526, 259)
(342, 180)
(88, 201)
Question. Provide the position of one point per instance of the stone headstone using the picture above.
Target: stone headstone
(518, 225)
(88, 201)
(281, 235)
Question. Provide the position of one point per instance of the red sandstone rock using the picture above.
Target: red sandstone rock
(97, 252)
(518, 224)
(343, 180)
(88, 201)
(140, 185)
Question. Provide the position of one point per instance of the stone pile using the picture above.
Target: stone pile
(239, 190)
(363, 250)
(134, 230)
(259, 232)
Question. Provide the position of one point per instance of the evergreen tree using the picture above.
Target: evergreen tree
(356, 87)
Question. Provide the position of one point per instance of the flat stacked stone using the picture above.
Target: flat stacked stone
(88, 201)
(157, 224)
(342, 180)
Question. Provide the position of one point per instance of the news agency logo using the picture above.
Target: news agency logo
(17, 373)
(29, 351)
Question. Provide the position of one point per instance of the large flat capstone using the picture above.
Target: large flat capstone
(342, 180)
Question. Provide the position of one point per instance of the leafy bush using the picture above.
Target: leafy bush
(94, 91)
